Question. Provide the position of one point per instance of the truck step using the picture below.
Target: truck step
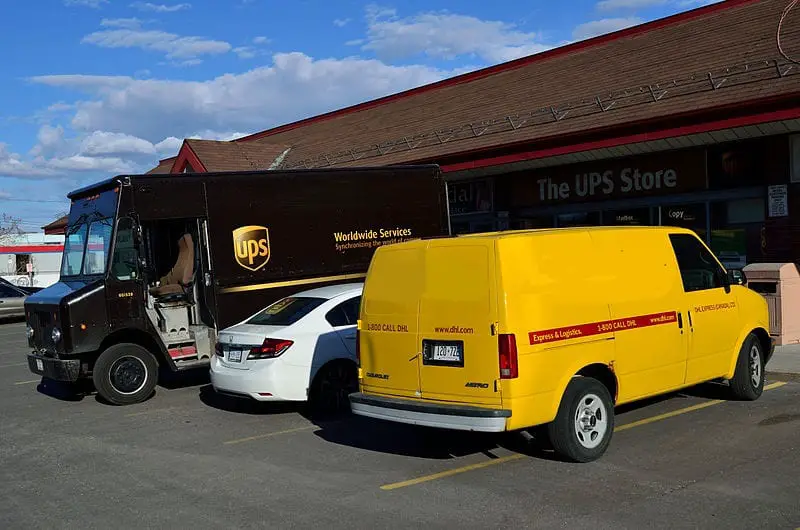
(191, 364)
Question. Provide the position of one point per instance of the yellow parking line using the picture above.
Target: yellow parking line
(451, 472)
(268, 435)
(678, 412)
(471, 467)
(28, 382)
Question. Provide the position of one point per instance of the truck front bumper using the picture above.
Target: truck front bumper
(56, 369)
(455, 417)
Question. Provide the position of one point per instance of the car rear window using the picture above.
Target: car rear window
(286, 312)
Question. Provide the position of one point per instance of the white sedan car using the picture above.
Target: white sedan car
(301, 348)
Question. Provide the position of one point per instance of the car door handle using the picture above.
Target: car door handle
(691, 326)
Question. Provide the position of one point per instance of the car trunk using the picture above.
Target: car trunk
(237, 341)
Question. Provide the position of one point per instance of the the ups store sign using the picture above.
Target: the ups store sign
(656, 174)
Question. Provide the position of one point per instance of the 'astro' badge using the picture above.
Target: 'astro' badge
(251, 246)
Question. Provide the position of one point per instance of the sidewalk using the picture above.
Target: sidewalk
(785, 363)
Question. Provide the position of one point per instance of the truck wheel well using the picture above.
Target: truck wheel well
(604, 374)
(133, 336)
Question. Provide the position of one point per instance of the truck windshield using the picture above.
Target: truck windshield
(86, 248)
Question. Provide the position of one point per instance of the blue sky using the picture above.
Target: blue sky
(92, 88)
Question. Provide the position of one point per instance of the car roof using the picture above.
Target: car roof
(333, 291)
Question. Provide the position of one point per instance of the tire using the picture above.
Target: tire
(748, 379)
(332, 387)
(125, 374)
(584, 424)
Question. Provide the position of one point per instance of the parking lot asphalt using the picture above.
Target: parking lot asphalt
(188, 459)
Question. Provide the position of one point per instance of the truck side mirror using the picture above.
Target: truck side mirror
(737, 277)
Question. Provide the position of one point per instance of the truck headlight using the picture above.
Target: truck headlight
(55, 335)
(29, 332)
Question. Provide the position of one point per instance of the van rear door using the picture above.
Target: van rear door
(388, 333)
(457, 309)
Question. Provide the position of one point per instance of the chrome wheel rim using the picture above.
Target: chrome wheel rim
(756, 371)
(591, 421)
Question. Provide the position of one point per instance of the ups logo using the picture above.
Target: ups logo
(251, 246)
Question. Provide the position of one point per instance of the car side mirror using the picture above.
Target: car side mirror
(737, 277)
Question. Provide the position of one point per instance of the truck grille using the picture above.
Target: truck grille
(42, 324)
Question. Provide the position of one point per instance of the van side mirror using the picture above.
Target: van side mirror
(737, 277)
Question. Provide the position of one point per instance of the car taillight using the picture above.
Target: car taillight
(218, 349)
(507, 349)
(270, 349)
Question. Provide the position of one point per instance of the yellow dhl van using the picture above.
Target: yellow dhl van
(511, 330)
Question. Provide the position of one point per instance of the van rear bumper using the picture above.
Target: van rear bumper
(455, 417)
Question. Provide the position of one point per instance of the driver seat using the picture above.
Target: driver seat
(176, 285)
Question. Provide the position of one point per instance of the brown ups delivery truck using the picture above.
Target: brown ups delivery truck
(155, 265)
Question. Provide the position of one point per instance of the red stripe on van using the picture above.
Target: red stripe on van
(601, 328)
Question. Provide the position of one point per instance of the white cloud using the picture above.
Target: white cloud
(611, 5)
(94, 4)
(245, 52)
(172, 45)
(341, 22)
(446, 35)
(603, 26)
(160, 8)
(128, 23)
(260, 40)
(286, 90)
(101, 143)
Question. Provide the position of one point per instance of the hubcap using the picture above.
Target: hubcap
(755, 366)
(591, 421)
(128, 375)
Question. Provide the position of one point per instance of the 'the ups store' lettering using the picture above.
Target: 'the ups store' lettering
(601, 328)
(388, 328)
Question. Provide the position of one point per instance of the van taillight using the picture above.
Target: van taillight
(507, 348)
(358, 347)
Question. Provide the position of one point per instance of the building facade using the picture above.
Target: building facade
(691, 120)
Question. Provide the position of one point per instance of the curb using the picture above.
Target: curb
(784, 376)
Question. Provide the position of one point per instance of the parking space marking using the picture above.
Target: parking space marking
(28, 382)
(269, 435)
(685, 410)
(450, 472)
(494, 462)
(12, 365)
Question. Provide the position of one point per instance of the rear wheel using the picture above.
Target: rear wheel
(125, 374)
(332, 387)
(584, 423)
(748, 379)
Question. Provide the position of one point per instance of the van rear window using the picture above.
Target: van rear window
(286, 312)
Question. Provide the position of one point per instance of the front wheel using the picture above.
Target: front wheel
(125, 374)
(748, 379)
(584, 423)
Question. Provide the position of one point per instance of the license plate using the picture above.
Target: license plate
(443, 353)
(235, 356)
(39, 365)
(447, 353)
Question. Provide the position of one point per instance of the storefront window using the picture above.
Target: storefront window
(736, 231)
(635, 217)
(567, 220)
(689, 216)
(530, 223)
